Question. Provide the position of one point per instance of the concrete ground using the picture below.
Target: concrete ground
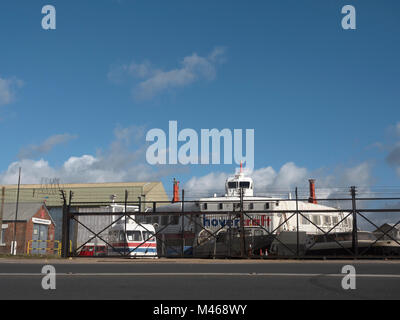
(198, 279)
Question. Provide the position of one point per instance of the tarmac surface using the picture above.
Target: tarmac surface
(196, 279)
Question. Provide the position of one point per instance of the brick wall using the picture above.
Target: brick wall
(24, 233)
(9, 236)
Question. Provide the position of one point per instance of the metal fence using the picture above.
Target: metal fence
(264, 228)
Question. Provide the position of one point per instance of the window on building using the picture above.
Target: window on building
(251, 206)
(220, 206)
(335, 220)
(267, 205)
(205, 206)
(2, 233)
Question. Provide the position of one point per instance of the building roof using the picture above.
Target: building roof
(25, 210)
(86, 192)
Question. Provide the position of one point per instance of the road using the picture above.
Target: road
(198, 279)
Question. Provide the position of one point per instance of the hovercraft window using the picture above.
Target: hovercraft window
(134, 235)
(316, 220)
(164, 220)
(244, 184)
(327, 220)
(304, 219)
(232, 185)
(174, 219)
(149, 236)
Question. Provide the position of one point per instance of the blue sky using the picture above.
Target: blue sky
(323, 101)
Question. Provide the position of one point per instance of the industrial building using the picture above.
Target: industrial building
(32, 222)
(48, 197)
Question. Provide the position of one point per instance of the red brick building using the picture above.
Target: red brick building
(33, 223)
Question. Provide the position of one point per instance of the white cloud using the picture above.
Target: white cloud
(397, 128)
(32, 172)
(358, 175)
(155, 81)
(264, 177)
(7, 89)
(119, 73)
(33, 151)
(75, 164)
(393, 157)
(74, 169)
(392, 147)
(115, 164)
(290, 175)
(126, 133)
(268, 181)
(204, 186)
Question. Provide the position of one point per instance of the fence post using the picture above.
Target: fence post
(126, 252)
(196, 232)
(69, 244)
(64, 242)
(66, 224)
(183, 224)
(297, 225)
(3, 192)
(242, 235)
(230, 231)
(354, 212)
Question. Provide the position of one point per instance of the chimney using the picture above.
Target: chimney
(312, 199)
(175, 191)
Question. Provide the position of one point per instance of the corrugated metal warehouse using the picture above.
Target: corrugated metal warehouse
(99, 192)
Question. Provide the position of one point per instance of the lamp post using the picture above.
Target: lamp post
(14, 242)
